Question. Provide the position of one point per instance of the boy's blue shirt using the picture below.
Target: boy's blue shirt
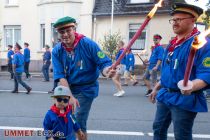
(57, 125)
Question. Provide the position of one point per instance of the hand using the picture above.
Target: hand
(155, 68)
(80, 135)
(109, 72)
(75, 103)
(152, 96)
(186, 92)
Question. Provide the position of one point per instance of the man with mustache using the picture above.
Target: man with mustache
(175, 105)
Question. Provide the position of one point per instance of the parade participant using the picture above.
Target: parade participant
(26, 60)
(154, 64)
(77, 62)
(129, 72)
(175, 105)
(9, 61)
(59, 122)
(18, 67)
(46, 63)
(120, 70)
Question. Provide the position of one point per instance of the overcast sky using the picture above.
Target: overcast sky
(200, 3)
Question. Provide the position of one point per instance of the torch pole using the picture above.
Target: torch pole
(137, 34)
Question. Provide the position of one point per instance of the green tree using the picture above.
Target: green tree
(109, 44)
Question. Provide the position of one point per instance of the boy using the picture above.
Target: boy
(59, 122)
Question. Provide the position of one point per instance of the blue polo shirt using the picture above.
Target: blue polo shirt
(157, 54)
(123, 61)
(81, 68)
(173, 69)
(56, 125)
(9, 56)
(130, 62)
(47, 56)
(27, 55)
(18, 60)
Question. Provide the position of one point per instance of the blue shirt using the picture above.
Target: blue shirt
(9, 56)
(27, 55)
(173, 69)
(18, 60)
(130, 61)
(82, 67)
(57, 125)
(47, 56)
(157, 54)
(123, 61)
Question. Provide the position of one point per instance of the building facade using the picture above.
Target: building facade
(32, 21)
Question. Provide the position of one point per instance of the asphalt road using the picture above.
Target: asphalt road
(111, 118)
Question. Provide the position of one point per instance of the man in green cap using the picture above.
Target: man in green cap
(77, 63)
(176, 105)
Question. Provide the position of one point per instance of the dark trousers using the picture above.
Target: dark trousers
(45, 71)
(183, 121)
(10, 70)
(55, 84)
(26, 69)
(18, 79)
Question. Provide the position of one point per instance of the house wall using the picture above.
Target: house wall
(30, 14)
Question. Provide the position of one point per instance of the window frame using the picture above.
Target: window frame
(14, 39)
(9, 3)
(139, 1)
(135, 29)
(42, 36)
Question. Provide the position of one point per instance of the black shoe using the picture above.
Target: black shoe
(135, 83)
(50, 92)
(148, 92)
(14, 91)
(124, 84)
(208, 96)
(45, 80)
(28, 90)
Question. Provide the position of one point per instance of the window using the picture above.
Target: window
(42, 44)
(139, 1)
(139, 44)
(54, 35)
(12, 34)
(11, 2)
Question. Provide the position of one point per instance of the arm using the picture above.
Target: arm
(59, 74)
(47, 124)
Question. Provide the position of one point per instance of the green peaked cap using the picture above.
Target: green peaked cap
(64, 21)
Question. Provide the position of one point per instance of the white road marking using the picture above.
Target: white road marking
(23, 91)
(101, 132)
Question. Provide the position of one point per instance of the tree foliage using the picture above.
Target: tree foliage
(109, 43)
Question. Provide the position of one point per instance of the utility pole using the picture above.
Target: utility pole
(112, 17)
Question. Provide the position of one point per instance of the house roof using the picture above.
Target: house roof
(124, 7)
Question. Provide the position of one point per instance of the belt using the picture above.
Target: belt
(178, 90)
(82, 84)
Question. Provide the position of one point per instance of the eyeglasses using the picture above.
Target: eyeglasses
(178, 20)
(62, 99)
(67, 30)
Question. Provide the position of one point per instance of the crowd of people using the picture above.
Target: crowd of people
(78, 61)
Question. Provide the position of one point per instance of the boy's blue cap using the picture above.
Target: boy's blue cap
(61, 91)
